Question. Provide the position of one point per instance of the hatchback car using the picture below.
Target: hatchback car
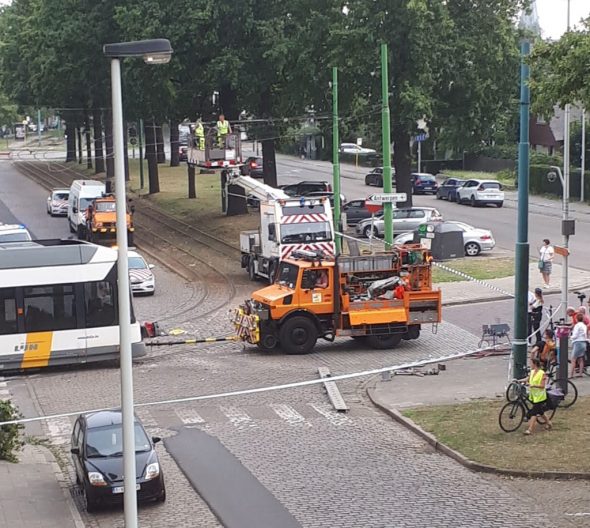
(448, 189)
(57, 202)
(97, 454)
(423, 183)
(252, 167)
(140, 274)
(481, 192)
(10, 233)
(475, 239)
(356, 211)
(406, 219)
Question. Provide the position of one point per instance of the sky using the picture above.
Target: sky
(553, 15)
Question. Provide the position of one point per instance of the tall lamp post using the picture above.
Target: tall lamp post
(157, 51)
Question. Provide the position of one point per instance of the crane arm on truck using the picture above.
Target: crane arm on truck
(256, 188)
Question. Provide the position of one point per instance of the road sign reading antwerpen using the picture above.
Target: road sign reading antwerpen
(388, 198)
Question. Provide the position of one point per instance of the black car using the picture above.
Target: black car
(252, 167)
(448, 189)
(310, 188)
(356, 211)
(97, 453)
(423, 183)
(375, 177)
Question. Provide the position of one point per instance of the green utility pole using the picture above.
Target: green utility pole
(140, 141)
(387, 185)
(521, 280)
(336, 160)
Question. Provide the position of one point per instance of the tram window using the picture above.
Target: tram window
(101, 304)
(7, 311)
(50, 308)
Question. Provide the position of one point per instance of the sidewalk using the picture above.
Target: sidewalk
(463, 292)
(33, 493)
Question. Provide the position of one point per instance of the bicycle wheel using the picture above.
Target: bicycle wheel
(511, 416)
(549, 413)
(571, 396)
(512, 391)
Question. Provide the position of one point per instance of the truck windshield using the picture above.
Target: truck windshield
(305, 232)
(105, 207)
(288, 275)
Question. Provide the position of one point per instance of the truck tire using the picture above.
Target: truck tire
(298, 335)
(382, 342)
(412, 333)
(268, 342)
(81, 232)
(251, 270)
(130, 238)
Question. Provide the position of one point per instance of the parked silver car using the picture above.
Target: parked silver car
(404, 220)
(475, 239)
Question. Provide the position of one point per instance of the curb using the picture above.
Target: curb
(464, 461)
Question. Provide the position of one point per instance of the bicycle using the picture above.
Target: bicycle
(513, 389)
(516, 411)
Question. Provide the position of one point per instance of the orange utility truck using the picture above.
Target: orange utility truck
(378, 299)
(101, 220)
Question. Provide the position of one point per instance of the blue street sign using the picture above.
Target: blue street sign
(421, 137)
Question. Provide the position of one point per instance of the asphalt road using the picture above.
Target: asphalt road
(544, 218)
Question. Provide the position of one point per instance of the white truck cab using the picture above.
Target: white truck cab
(82, 193)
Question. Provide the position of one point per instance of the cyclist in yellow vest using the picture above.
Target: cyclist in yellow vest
(223, 129)
(537, 382)
(200, 135)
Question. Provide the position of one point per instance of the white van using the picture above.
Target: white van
(82, 192)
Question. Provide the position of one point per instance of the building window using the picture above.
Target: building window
(50, 308)
(8, 323)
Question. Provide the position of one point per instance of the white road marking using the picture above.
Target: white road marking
(328, 412)
(189, 416)
(290, 415)
(238, 417)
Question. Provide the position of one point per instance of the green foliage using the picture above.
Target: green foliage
(10, 435)
(560, 71)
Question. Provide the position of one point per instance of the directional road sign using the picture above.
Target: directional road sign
(388, 197)
(421, 137)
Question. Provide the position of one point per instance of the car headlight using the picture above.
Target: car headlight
(96, 478)
(152, 471)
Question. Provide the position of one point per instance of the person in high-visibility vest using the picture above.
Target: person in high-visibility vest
(537, 382)
(223, 129)
(200, 135)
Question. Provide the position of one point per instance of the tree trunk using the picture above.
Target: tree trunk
(150, 154)
(174, 144)
(126, 151)
(80, 148)
(88, 141)
(108, 139)
(192, 184)
(70, 141)
(98, 155)
(160, 145)
(402, 160)
(269, 163)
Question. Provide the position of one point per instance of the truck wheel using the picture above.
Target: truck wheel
(251, 271)
(81, 232)
(412, 333)
(268, 342)
(298, 335)
(129, 239)
(382, 342)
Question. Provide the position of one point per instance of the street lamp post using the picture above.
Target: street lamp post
(154, 52)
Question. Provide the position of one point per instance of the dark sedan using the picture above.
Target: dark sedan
(448, 189)
(424, 183)
(97, 453)
(356, 211)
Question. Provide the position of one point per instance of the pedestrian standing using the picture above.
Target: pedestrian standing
(579, 337)
(546, 254)
(537, 315)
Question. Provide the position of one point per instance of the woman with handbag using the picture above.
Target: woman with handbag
(546, 254)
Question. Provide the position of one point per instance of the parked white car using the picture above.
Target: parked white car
(357, 150)
(140, 274)
(481, 192)
(475, 239)
(57, 202)
(14, 233)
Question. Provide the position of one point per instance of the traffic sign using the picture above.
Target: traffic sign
(388, 197)
(373, 207)
(420, 137)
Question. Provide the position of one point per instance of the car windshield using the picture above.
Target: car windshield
(106, 207)
(305, 232)
(85, 202)
(490, 186)
(288, 274)
(61, 196)
(425, 177)
(15, 237)
(137, 263)
(107, 441)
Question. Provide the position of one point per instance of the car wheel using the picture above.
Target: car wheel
(451, 197)
(472, 249)
(72, 230)
(367, 231)
(380, 183)
(368, 181)
(298, 335)
(473, 201)
(500, 204)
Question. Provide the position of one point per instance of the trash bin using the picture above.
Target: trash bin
(445, 240)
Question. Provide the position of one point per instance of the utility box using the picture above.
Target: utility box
(445, 240)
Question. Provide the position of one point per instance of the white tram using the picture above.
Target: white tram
(58, 305)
